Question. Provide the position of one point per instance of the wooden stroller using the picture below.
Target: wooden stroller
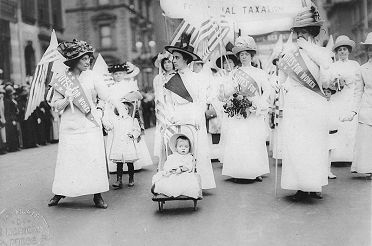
(161, 198)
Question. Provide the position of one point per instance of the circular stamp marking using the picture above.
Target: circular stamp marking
(23, 227)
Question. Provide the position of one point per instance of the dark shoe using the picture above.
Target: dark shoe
(118, 184)
(131, 182)
(299, 196)
(259, 179)
(55, 200)
(99, 202)
(316, 195)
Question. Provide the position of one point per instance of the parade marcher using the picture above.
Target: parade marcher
(186, 100)
(177, 176)
(362, 108)
(124, 86)
(28, 126)
(2, 122)
(11, 118)
(166, 70)
(126, 131)
(81, 164)
(226, 64)
(245, 154)
(305, 113)
(345, 73)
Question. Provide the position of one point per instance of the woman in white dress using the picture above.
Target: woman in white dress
(166, 71)
(305, 113)
(81, 165)
(126, 88)
(346, 73)
(363, 109)
(245, 153)
(188, 106)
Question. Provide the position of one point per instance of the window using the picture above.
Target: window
(57, 14)
(28, 11)
(106, 36)
(43, 12)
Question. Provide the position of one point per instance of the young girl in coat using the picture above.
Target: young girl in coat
(178, 177)
(126, 131)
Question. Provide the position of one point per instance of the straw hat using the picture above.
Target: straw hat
(73, 50)
(368, 39)
(183, 46)
(244, 44)
(343, 40)
(309, 17)
(173, 142)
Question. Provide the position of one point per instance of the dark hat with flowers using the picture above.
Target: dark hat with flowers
(75, 49)
(183, 46)
(120, 68)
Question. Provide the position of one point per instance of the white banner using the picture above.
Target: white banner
(253, 17)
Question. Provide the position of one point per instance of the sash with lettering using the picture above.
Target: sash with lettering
(247, 85)
(294, 65)
(67, 80)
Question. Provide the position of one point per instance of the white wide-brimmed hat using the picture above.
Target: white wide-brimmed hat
(368, 39)
(244, 44)
(173, 142)
(160, 57)
(343, 40)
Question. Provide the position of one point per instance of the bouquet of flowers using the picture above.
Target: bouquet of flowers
(238, 105)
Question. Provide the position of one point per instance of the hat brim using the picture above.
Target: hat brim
(349, 43)
(228, 56)
(172, 49)
(318, 23)
(173, 142)
(69, 62)
(366, 43)
(237, 50)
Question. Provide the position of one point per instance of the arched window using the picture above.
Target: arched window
(29, 59)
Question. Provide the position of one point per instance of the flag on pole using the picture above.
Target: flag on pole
(100, 67)
(42, 76)
(185, 27)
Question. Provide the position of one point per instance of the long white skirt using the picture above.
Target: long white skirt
(363, 150)
(142, 151)
(305, 141)
(245, 152)
(81, 165)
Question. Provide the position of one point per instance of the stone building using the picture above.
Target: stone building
(25, 28)
(120, 30)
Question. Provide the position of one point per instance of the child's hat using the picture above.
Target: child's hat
(173, 142)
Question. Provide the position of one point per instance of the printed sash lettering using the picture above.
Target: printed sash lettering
(68, 81)
(294, 65)
(247, 85)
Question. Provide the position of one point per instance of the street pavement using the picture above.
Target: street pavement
(232, 214)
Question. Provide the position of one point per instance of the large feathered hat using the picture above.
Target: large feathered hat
(74, 50)
(309, 17)
(183, 46)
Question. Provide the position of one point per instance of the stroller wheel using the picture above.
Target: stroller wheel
(161, 206)
(195, 203)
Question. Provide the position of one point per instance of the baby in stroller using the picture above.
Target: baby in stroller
(177, 176)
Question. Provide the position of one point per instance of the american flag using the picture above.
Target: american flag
(185, 27)
(43, 74)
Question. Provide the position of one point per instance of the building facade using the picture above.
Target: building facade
(352, 18)
(25, 27)
(120, 30)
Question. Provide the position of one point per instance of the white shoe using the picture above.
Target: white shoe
(331, 175)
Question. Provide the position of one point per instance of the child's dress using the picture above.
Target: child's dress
(124, 148)
(186, 183)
